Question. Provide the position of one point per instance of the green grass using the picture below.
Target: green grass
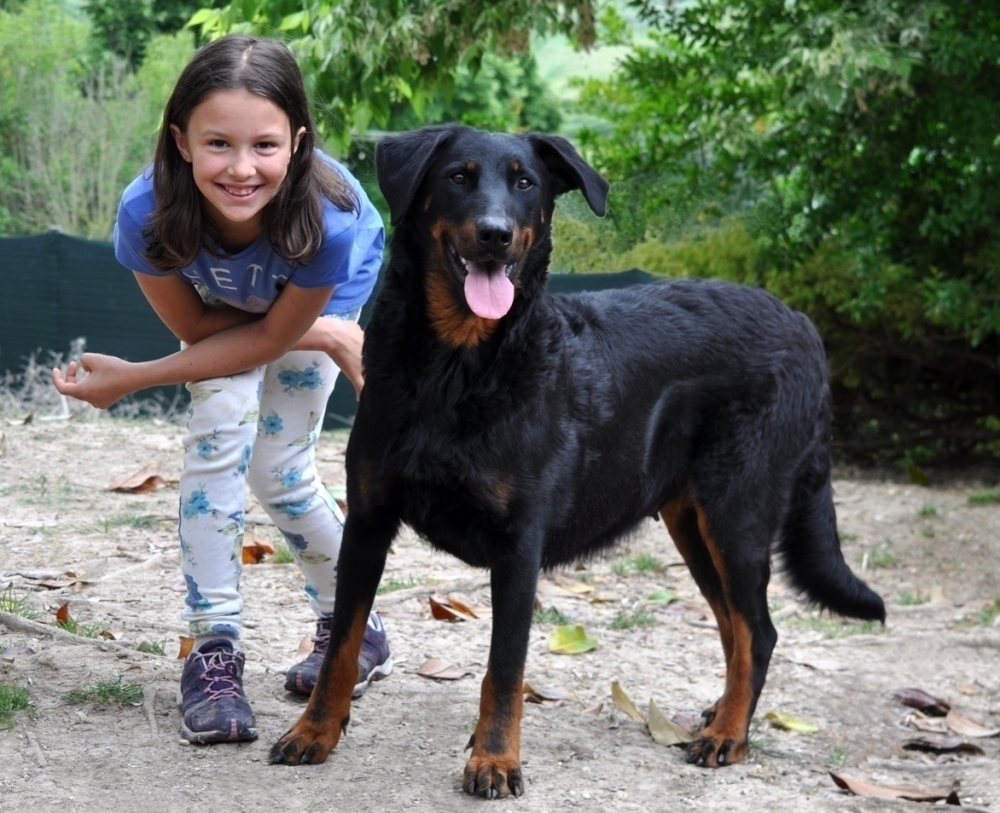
(837, 758)
(550, 615)
(846, 536)
(640, 563)
(639, 618)
(927, 511)
(990, 613)
(12, 700)
(83, 630)
(107, 693)
(880, 556)
(907, 598)
(15, 604)
(835, 628)
(283, 555)
(393, 584)
(129, 519)
(150, 647)
(988, 497)
(929, 532)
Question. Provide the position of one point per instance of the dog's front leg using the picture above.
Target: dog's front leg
(494, 768)
(359, 568)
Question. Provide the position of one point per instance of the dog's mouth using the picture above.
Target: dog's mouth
(488, 287)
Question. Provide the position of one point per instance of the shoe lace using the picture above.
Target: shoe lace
(222, 676)
(321, 640)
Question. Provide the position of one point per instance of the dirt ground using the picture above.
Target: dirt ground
(64, 537)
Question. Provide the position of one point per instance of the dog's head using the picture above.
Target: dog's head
(481, 204)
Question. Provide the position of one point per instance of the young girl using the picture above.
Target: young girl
(257, 251)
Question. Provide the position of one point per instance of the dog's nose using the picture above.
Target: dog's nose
(494, 235)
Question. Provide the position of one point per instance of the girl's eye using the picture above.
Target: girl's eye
(458, 178)
(217, 143)
(524, 183)
(266, 145)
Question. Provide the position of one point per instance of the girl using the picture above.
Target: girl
(257, 251)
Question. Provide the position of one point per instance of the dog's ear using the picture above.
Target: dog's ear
(570, 171)
(401, 162)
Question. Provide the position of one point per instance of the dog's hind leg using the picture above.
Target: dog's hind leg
(731, 569)
(494, 767)
(359, 569)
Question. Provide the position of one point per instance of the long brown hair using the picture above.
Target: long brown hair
(293, 219)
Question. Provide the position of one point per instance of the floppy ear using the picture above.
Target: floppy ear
(570, 171)
(401, 162)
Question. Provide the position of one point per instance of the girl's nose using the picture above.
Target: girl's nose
(242, 166)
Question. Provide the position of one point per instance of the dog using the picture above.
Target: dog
(519, 431)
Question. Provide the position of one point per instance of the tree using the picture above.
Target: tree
(364, 59)
(859, 142)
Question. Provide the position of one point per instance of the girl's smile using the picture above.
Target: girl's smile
(239, 146)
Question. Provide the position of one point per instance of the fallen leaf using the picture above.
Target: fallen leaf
(919, 699)
(438, 669)
(921, 722)
(967, 727)
(689, 719)
(663, 596)
(942, 745)
(595, 710)
(545, 697)
(547, 588)
(664, 731)
(62, 614)
(187, 643)
(570, 640)
(818, 663)
(305, 646)
(11, 653)
(255, 548)
(451, 608)
(861, 788)
(143, 481)
(785, 722)
(624, 703)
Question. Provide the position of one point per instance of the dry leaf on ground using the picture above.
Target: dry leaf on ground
(438, 669)
(967, 727)
(624, 703)
(143, 481)
(919, 699)
(862, 788)
(942, 745)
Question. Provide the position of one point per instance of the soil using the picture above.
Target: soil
(66, 538)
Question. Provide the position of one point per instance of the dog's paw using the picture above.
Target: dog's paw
(492, 778)
(707, 751)
(304, 744)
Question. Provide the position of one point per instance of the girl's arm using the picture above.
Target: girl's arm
(228, 351)
(184, 313)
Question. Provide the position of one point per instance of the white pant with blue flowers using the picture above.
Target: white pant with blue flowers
(260, 429)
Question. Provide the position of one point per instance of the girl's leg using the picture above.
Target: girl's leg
(222, 428)
(283, 473)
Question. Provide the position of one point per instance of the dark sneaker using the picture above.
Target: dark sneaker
(374, 662)
(213, 705)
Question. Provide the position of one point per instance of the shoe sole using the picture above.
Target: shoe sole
(384, 669)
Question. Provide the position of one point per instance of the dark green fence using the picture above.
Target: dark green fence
(55, 288)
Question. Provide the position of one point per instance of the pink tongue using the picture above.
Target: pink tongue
(489, 294)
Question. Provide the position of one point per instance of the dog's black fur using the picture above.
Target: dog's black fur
(526, 439)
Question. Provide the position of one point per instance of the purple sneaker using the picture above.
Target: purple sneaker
(213, 705)
(374, 661)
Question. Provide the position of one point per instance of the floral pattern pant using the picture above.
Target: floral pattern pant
(258, 428)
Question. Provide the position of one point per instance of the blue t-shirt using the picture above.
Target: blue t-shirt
(349, 259)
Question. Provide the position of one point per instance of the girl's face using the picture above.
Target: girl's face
(239, 146)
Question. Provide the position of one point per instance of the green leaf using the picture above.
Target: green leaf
(663, 596)
(786, 722)
(571, 640)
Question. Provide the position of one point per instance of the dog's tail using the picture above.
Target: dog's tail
(810, 546)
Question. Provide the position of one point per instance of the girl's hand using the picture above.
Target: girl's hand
(107, 380)
(341, 340)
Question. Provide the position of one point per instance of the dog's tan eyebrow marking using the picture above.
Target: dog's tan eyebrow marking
(427, 202)
(516, 165)
(471, 166)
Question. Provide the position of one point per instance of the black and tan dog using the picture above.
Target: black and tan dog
(519, 430)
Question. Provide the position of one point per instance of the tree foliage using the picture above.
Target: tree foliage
(364, 59)
(860, 142)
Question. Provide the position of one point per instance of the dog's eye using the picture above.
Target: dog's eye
(458, 177)
(525, 183)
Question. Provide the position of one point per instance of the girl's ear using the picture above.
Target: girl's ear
(297, 139)
(181, 141)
